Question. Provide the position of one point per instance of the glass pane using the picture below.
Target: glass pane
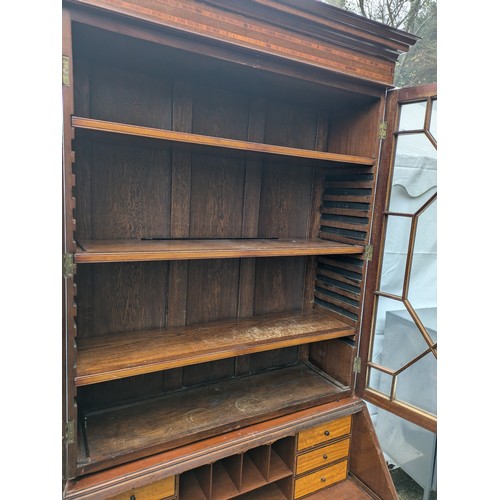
(433, 124)
(417, 384)
(422, 292)
(395, 253)
(412, 116)
(380, 381)
(415, 174)
(397, 340)
(409, 449)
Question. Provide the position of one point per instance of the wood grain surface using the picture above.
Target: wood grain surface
(117, 435)
(117, 356)
(93, 251)
(220, 142)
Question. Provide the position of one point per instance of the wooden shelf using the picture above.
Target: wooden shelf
(120, 434)
(218, 142)
(98, 251)
(111, 357)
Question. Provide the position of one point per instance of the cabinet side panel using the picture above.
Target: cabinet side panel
(347, 120)
(334, 357)
(367, 460)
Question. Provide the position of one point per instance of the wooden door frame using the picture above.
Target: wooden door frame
(395, 98)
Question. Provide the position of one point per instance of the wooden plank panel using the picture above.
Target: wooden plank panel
(337, 289)
(218, 142)
(124, 355)
(180, 205)
(251, 210)
(120, 434)
(342, 239)
(184, 458)
(345, 212)
(351, 198)
(330, 273)
(130, 187)
(353, 267)
(212, 290)
(278, 285)
(285, 201)
(124, 298)
(219, 112)
(186, 249)
(217, 193)
(135, 98)
(361, 227)
(337, 302)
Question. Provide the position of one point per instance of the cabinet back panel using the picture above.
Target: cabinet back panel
(285, 200)
(217, 187)
(121, 297)
(130, 97)
(289, 124)
(98, 396)
(127, 189)
(212, 292)
(220, 113)
(278, 284)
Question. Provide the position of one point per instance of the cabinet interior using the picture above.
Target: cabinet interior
(267, 306)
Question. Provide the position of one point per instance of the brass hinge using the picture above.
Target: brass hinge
(368, 253)
(382, 130)
(356, 366)
(69, 435)
(68, 265)
(65, 71)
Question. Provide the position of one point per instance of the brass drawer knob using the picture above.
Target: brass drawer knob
(327, 433)
(323, 479)
(325, 456)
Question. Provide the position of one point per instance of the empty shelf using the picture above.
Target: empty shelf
(117, 356)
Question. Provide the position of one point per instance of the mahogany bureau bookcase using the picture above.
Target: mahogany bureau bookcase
(220, 160)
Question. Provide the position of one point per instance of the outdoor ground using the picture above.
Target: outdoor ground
(407, 488)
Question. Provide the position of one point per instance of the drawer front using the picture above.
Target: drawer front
(322, 456)
(320, 479)
(324, 432)
(154, 491)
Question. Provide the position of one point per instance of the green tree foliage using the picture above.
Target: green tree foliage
(418, 17)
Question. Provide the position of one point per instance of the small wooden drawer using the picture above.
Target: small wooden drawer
(158, 490)
(322, 456)
(320, 479)
(324, 432)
